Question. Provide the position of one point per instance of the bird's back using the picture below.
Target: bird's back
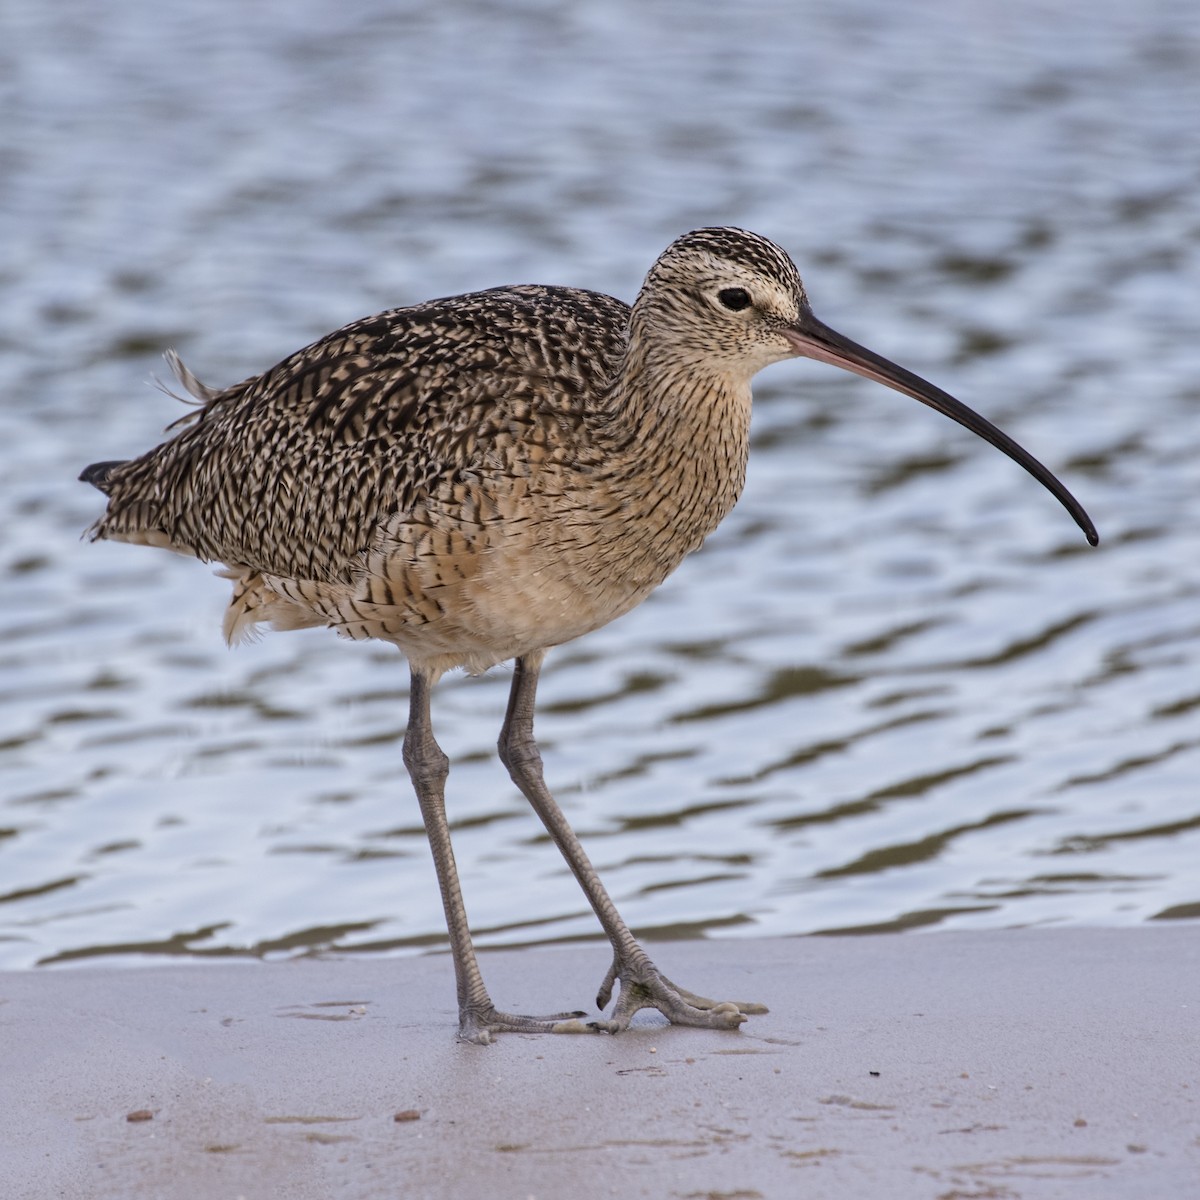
(293, 472)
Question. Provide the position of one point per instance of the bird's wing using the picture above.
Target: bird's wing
(292, 472)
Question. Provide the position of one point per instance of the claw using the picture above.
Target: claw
(604, 995)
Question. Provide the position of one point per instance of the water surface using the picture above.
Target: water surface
(896, 689)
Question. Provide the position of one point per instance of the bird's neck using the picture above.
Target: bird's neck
(681, 436)
(677, 396)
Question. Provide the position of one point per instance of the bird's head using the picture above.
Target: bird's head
(725, 299)
(731, 302)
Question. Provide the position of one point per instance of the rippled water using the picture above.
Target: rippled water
(896, 689)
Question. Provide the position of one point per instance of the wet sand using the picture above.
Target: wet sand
(1036, 1063)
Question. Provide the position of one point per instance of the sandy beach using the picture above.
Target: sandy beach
(1008, 1064)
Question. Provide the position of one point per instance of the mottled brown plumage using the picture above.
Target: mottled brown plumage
(482, 477)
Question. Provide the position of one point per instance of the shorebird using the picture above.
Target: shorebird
(479, 478)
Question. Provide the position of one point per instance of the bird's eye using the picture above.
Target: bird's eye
(734, 299)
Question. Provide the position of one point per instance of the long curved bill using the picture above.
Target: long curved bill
(814, 339)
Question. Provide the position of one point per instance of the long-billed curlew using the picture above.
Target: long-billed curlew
(482, 477)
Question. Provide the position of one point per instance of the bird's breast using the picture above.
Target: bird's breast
(552, 538)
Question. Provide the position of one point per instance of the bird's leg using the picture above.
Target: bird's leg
(642, 984)
(428, 767)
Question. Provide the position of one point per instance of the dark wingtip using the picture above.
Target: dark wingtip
(98, 473)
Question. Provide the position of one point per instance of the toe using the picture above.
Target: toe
(479, 1026)
(746, 1006)
(644, 986)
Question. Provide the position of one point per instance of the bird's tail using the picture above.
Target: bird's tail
(99, 474)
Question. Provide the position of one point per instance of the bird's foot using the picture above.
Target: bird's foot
(479, 1023)
(643, 985)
